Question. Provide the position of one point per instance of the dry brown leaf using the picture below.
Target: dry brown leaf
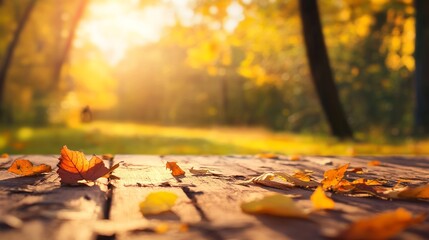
(274, 204)
(24, 167)
(381, 226)
(74, 167)
(374, 163)
(369, 182)
(320, 200)
(333, 177)
(297, 182)
(410, 192)
(175, 169)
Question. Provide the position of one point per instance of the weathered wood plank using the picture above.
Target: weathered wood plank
(43, 209)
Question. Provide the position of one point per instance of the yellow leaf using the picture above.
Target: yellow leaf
(320, 200)
(158, 202)
(302, 176)
(381, 226)
(333, 177)
(275, 204)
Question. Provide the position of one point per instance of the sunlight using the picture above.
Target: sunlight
(115, 26)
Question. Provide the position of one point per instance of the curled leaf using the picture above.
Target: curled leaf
(381, 226)
(333, 177)
(24, 167)
(275, 204)
(158, 202)
(302, 176)
(297, 182)
(202, 171)
(320, 200)
(175, 169)
(74, 166)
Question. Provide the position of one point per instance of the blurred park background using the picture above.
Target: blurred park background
(206, 77)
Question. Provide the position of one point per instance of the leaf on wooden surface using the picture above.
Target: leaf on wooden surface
(267, 155)
(24, 167)
(320, 200)
(175, 169)
(381, 226)
(158, 202)
(202, 171)
(369, 182)
(4, 155)
(302, 176)
(295, 157)
(333, 177)
(74, 167)
(275, 204)
(374, 163)
(410, 192)
(295, 181)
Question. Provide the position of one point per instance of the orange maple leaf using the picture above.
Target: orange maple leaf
(26, 168)
(74, 166)
(374, 163)
(381, 226)
(333, 177)
(175, 169)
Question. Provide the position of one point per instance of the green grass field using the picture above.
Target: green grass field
(133, 138)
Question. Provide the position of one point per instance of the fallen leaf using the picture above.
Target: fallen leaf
(320, 200)
(202, 171)
(374, 163)
(175, 169)
(275, 204)
(333, 177)
(302, 176)
(24, 167)
(158, 202)
(4, 155)
(410, 192)
(381, 226)
(295, 157)
(369, 182)
(297, 182)
(267, 155)
(74, 166)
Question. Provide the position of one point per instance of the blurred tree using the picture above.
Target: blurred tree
(422, 68)
(66, 49)
(321, 71)
(10, 50)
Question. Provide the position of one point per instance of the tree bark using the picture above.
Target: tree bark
(11, 49)
(321, 71)
(69, 41)
(421, 55)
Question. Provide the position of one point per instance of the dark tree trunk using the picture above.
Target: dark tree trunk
(321, 71)
(421, 55)
(69, 41)
(11, 49)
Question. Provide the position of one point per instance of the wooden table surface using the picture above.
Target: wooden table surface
(208, 207)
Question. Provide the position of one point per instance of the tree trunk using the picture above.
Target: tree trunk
(321, 71)
(10, 50)
(421, 55)
(69, 41)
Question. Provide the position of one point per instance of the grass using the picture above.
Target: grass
(133, 138)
